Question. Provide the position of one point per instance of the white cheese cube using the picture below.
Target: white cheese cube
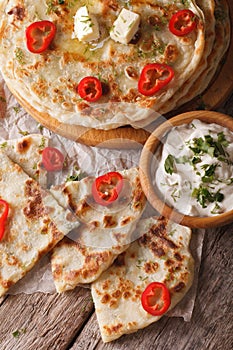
(86, 27)
(125, 26)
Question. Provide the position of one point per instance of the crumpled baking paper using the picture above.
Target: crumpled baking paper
(15, 122)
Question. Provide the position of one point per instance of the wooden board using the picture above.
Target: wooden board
(127, 137)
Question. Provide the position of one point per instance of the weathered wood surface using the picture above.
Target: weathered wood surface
(68, 322)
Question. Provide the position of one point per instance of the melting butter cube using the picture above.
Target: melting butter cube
(86, 27)
(125, 26)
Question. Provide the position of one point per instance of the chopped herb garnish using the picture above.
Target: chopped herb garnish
(196, 160)
(204, 196)
(18, 332)
(77, 176)
(171, 233)
(143, 278)
(73, 178)
(222, 139)
(21, 132)
(175, 194)
(217, 209)
(16, 109)
(169, 164)
(42, 144)
(51, 7)
(19, 55)
(40, 127)
(3, 145)
(208, 145)
(182, 160)
(209, 172)
(185, 3)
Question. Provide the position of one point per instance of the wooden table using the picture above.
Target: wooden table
(68, 321)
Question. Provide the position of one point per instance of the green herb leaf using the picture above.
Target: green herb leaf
(3, 145)
(204, 196)
(182, 160)
(169, 164)
(209, 172)
(19, 55)
(18, 332)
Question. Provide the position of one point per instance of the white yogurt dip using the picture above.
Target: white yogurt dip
(194, 172)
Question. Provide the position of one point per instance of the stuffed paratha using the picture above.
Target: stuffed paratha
(49, 81)
(82, 258)
(78, 197)
(31, 223)
(161, 254)
(195, 84)
(219, 49)
(106, 231)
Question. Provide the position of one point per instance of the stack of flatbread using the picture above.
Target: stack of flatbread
(46, 84)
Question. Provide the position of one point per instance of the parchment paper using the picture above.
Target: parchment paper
(15, 122)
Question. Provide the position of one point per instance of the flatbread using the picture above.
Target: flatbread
(82, 258)
(160, 254)
(77, 196)
(27, 153)
(219, 49)
(35, 223)
(48, 81)
(196, 82)
(105, 233)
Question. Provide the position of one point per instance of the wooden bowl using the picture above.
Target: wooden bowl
(146, 160)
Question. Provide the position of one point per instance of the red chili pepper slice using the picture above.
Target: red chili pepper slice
(4, 209)
(154, 76)
(182, 22)
(52, 159)
(156, 299)
(39, 35)
(90, 89)
(106, 188)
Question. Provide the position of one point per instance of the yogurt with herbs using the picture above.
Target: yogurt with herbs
(194, 172)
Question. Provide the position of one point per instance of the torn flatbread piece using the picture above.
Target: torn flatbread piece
(83, 258)
(34, 225)
(105, 233)
(160, 254)
(77, 196)
(27, 153)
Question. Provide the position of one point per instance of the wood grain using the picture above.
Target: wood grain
(43, 321)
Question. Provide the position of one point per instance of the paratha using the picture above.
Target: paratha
(214, 59)
(196, 80)
(160, 254)
(105, 233)
(48, 81)
(82, 258)
(35, 223)
(77, 196)
(27, 153)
